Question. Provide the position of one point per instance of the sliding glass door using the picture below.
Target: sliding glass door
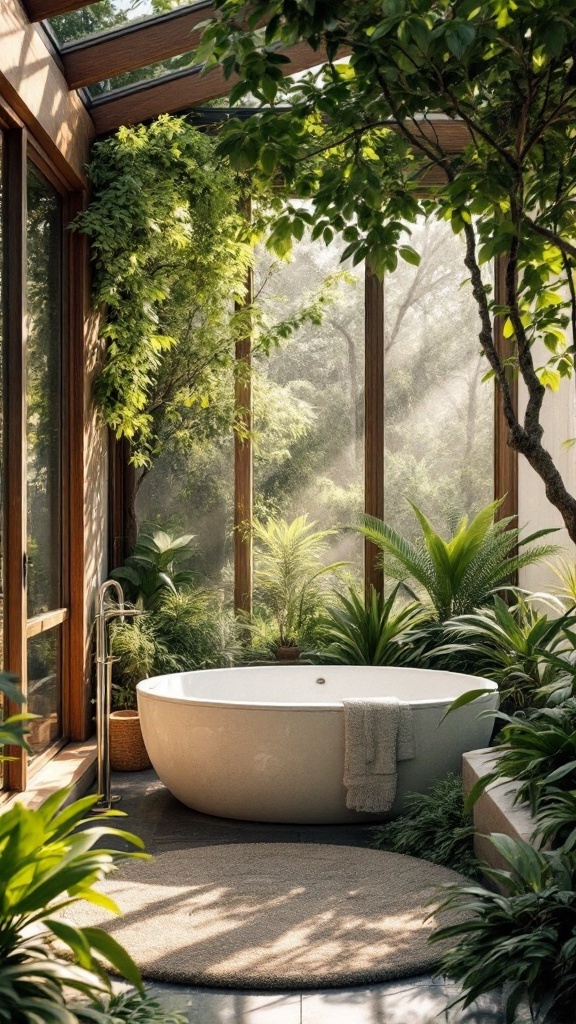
(44, 459)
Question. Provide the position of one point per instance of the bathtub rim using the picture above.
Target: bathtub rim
(145, 689)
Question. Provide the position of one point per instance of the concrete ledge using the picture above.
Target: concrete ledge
(495, 810)
(74, 765)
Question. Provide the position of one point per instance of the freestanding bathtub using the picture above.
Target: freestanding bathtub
(267, 744)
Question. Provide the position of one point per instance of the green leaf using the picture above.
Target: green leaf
(115, 954)
(459, 36)
(466, 698)
(409, 255)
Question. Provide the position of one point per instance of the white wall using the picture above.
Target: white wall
(534, 510)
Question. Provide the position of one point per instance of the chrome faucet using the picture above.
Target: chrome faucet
(104, 663)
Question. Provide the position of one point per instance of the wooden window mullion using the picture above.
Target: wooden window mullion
(243, 459)
(373, 420)
(14, 456)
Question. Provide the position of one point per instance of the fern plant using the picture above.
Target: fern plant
(434, 825)
(188, 630)
(372, 633)
(290, 575)
(460, 574)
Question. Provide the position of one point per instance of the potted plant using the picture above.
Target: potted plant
(289, 583)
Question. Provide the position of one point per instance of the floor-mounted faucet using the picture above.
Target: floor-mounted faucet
(104, 663)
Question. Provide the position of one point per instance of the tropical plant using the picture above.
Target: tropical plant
(556, 818)
(372, 633)
(187, 630)
(363, 138)
(518, 647)
(537, 752)
(49, 859)
(524, 940)
(290, 576)
(151, 571)
(565, 570)
(434, 825)
(462, 573)
(12, 729)
(133, 1008)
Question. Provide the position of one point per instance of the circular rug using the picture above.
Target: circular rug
(274, 915)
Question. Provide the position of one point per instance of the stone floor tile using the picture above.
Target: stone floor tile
(415, 1001)
(219, 1006)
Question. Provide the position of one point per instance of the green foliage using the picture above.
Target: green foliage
(290, 575)
(12, 729)
(462, 573)
(49, 859)
(434, 825)
(369, 634)
(556, 818)
(187, 630)
(525, 940)
(356, 138)
(169, 253)
(516, 647)
(538, 752)
(133, 1008)
(152, 570)
(565, 570)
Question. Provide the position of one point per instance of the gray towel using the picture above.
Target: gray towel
(378, 733)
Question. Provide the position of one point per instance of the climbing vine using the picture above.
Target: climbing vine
(166, 238)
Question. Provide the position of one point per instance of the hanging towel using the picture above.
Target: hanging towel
(378, 734)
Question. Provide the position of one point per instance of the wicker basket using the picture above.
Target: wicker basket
(127, 750)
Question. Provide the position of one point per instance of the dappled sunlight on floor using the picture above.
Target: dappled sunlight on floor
(168, 826)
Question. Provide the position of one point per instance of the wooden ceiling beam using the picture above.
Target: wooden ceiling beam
(133, 45)
(178, 92)
(39, 10)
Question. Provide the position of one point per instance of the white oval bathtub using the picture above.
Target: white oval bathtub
(267, 743)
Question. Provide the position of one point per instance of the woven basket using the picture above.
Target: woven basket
(127, 750)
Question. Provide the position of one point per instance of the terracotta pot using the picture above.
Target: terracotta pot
(288, 654)
(127, 750)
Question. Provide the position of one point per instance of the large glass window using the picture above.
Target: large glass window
(43, 451)
(1, 441)
(438, 446)
(108, 14)
(309, 397)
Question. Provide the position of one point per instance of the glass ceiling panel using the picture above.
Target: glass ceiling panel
(109, 14)
(147, 74)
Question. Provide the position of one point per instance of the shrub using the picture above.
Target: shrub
(131, 1008)
(152, 570)
(538, 752)
(368, 634)
(188, 630)
(518, 647)
(46, 864)
(290, 579)
(434, 825)
(524, 940)
(462, 573)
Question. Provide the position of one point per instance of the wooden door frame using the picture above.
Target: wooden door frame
(18, 149)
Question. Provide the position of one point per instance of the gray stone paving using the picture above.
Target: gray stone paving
(165, 824)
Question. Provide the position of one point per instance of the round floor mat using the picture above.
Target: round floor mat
(274, 915)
